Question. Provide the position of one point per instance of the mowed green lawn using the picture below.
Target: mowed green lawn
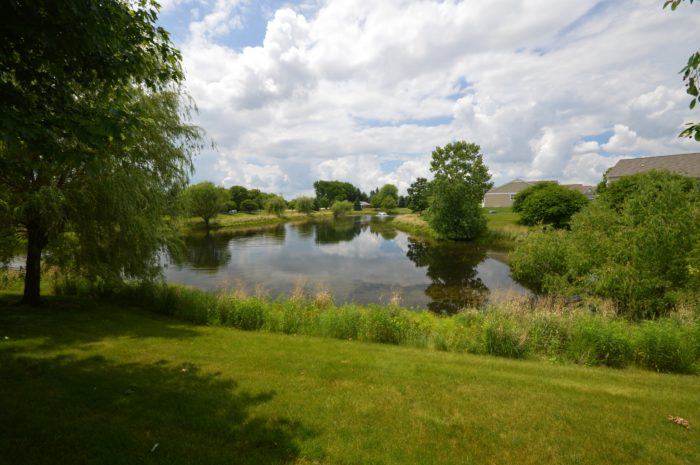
(84, 382)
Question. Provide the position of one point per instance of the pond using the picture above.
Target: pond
(360, 259)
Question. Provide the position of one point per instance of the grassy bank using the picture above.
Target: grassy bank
(502, 233)
(545, 329)
(91, 382)
(247, 220)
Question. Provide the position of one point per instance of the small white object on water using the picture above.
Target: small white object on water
(7, 337)
(155, 447)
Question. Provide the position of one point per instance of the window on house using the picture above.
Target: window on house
(512, 196)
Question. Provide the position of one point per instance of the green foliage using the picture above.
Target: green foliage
(276, 205)
(304, 205)
(205, 200)
(386, 198)
(691, 76)
(328, 192)
(460, 181)
(341, 207)
(634, 245)
(598, 342)
(548, 203)
(418, 195)
(249, 206)
(539, 258)
(502, 339)
(667, 346)
(94, 133)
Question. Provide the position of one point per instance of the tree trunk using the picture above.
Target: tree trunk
(36, 241)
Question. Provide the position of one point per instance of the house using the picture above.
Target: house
(686, 164)
(503, 196)
(364, 205)
(588, 191)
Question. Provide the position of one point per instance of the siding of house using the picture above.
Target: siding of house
(503, 196)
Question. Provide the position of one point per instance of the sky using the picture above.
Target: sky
(364, 90)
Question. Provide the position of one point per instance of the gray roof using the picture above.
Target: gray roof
(513, 187)
(686, 164)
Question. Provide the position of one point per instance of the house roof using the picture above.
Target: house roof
(686, 164)
(513, 187)
(582, 188)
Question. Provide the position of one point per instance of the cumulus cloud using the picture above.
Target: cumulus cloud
(363, 91)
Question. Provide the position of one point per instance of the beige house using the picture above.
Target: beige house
(503, 196)
(686, 164)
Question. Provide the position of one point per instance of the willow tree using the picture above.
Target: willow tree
(95, 136)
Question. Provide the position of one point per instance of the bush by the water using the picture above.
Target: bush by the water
(638, 245)
(552, 331)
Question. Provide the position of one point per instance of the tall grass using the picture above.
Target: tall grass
(547, 328)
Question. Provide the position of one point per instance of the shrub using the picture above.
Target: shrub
(665, 346)
(501, 338)
(598, 342)
(341, 207)
(275, 205)
(548, 203)
(636, 253)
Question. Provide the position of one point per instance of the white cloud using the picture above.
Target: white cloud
(363, 91)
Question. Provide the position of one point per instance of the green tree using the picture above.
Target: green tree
(276, 205)
(548, 203)
(460, 181)
(341, 207)
(238, 194)
(418, 194)
(81, 82)
(691, 76)
(304, 205)
(205, 200)
(335, 190)
(387, 195)
(249, 206)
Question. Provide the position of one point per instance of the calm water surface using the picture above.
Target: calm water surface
(358, 259)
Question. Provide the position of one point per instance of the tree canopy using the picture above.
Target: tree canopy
(418, 195)
(94, 131)
(336, 190)
(205, 200)
(460, 181)
(386, 198)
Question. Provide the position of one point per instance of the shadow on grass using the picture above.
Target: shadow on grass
(68, 321)
(64, 410)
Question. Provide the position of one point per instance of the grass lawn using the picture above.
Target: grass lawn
(86, 382)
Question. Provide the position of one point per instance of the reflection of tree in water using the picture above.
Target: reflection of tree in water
(331, 232)
(212, 251)
(452, 270)
(383, 228)
(305, 229)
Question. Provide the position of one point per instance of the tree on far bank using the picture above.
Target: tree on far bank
(460, 181)
(205, 200)
(341, 207)
(548, 203)
(94, 135)
(304, 205)
(249, 206)
(387, 197)
(418, 194)
(276, 205)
